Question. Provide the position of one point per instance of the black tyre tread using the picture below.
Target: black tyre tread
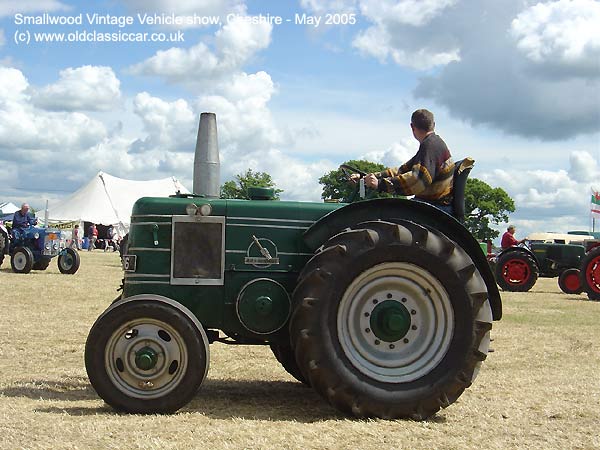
(562, 285)
(285, 356)
(101, 331)
(41, 264)
(3, 246)
(311, 293)
(586, 260)
(29, 264)
(516, 288)
(76, 262)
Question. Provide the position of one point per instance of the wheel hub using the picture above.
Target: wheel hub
(516, 271)
(146, 358)
(390, 321)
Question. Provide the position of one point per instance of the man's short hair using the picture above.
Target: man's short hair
(423, 120)
(511, 227)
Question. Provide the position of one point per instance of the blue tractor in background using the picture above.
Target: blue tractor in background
(33, 248)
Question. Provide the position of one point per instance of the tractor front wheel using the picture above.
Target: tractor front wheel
(569, 282)
(146, 357)
(3, 246)
(516, 271)
(69, 262)
(590, 274)
(21, 260)
(390, 320)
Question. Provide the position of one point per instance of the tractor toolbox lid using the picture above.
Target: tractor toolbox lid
(261, 193)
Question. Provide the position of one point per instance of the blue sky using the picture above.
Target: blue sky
(515, 84)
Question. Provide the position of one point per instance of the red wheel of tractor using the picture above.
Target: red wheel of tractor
(516, 271)
(569, 282)
(590, 274)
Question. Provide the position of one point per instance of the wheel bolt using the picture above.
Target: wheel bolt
(414, 327)
(376, 341)
(367, 330)
(389, 296)
(367, 314)
(406, 341)
(413, 312)
(375, 301)
(392, 346)
(404, 300)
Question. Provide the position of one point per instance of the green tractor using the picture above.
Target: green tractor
(383, 306)
(518, 268)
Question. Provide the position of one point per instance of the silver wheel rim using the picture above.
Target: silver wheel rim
(20, 261)
(132, 337)
(426, 342)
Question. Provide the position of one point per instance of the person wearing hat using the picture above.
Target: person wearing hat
(508, 238)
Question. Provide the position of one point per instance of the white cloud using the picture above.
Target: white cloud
(564, 32)
(24, 127)
(402, 31)
(407, 12)
(550, 200)
(394, 156)
(91, 88)
(182, 7)
(329, 6)
(8, 8)
(235, 44)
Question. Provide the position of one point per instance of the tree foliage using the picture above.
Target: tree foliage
(336, 186)
(238, 187)
(485, 205)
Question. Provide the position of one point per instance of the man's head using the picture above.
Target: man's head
(24, 208)
(511, 229)
(422, 123)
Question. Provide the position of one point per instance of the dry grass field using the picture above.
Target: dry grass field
(540, 389)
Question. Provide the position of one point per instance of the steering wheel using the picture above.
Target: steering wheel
(348, 170)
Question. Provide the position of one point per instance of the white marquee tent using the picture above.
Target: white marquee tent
(8, 208)
(108, 200)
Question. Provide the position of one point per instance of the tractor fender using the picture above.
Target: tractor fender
(524, 250)
(160, 299)
(391, 209)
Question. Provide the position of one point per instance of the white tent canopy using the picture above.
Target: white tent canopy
(8, 208)
(109, 200)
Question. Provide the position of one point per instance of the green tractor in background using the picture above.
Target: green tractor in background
(545, 255)
(383, 306)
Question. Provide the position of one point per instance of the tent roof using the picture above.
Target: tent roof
(8, 208)
(109, 200)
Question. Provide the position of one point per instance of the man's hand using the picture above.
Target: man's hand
(354, 178)
(371, 181)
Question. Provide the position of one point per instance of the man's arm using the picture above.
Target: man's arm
(410, 182)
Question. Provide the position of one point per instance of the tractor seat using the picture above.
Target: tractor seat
(462, 169)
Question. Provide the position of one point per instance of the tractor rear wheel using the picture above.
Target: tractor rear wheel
(285, 356)
(146, 357)
(390, 320)
(21, 260)
(41, 264)
(516, 271)
(569, 282)
(590, 274)
(69, 262)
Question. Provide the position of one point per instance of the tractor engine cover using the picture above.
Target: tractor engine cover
(263, 306)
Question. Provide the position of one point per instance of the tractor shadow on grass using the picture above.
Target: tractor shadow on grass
(218, 399)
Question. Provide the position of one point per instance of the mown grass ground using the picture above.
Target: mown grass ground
(539, 389)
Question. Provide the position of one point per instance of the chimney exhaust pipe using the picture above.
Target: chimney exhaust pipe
(207, 168)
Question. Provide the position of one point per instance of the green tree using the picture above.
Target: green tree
(336, 185)
(238, 187)
(485, 205)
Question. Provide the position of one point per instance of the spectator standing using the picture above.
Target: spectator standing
(93, 237)
(75, 241)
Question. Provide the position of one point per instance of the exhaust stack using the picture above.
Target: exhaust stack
(207, 168)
